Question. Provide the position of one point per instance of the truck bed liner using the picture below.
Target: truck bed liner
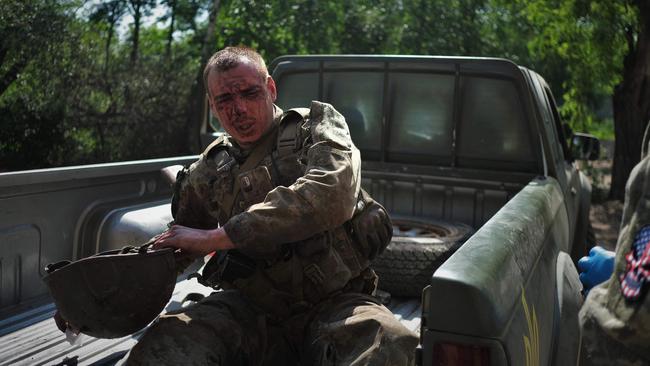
(31, 337)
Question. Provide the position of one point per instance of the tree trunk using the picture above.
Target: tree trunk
(170, 35)
(12, 74)
(196, 104)
(631, 102)
(137, 15)
(107, 50)
(3, 53)
(115, 10)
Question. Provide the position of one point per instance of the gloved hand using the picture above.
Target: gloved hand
(596, 268)
(373, 229)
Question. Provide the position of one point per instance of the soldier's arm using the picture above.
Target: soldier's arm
(188, 201)
(322, 199)
(188, 212)
(615, 317)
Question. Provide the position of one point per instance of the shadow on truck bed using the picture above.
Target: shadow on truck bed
(32, 338)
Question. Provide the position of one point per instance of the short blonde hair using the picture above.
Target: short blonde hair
(231, 57)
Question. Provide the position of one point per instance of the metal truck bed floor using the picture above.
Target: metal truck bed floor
(31, 337)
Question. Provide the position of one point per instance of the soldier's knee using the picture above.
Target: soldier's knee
(376, 340)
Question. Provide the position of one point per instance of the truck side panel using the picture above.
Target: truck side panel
(56, 214)
(495, 289)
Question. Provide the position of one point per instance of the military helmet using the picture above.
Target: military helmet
(115, 293)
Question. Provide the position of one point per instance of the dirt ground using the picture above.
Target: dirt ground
(605, 215)
(606, 219)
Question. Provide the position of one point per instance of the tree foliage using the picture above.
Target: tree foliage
(121, 79)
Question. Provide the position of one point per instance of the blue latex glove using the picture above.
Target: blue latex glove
(596, 268)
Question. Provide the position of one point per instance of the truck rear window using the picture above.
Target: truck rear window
(422, 117)
(358, 96)
(298, 90)
(492, 123)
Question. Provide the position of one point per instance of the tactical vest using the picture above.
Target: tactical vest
(306, 272)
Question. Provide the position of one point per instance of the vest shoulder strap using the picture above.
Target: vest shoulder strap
(289, 131)
(219, 141)
(255, 157)
(286, 141)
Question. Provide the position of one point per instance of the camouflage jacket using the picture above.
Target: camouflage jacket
(291, 204)
(616, 330)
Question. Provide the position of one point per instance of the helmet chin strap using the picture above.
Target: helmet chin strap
(645, 146)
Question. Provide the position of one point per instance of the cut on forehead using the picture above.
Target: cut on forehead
(231, 57)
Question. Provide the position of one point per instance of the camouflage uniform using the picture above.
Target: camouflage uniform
(616, 330)
(298, 286)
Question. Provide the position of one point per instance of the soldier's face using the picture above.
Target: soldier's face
(242, 99)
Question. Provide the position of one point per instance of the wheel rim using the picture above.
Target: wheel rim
(417, 229)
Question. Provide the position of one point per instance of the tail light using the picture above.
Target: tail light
(457, 354)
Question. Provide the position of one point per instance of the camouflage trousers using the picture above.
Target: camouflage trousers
(600, 348)
(227, 329)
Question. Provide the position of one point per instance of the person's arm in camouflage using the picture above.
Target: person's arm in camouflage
(615, 320)
(188, 212)
(322, 199)
(187, 208)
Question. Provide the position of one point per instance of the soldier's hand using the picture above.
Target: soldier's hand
(193, 241)
(374, 231)
(596, 268)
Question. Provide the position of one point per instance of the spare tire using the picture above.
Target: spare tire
(419, 246)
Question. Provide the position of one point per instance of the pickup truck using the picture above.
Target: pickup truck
(470, 157)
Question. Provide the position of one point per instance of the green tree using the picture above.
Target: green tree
(111, 13)
(36, 41)
(196, 104)
(125, 96)
(371, 27)
(631, 98)
(598, 48)
(27, 30)
(444, 28)
(138, 9)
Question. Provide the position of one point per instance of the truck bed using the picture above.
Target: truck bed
(28, 335)
(32, 338)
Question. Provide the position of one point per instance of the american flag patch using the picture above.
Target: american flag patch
(637, 267)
